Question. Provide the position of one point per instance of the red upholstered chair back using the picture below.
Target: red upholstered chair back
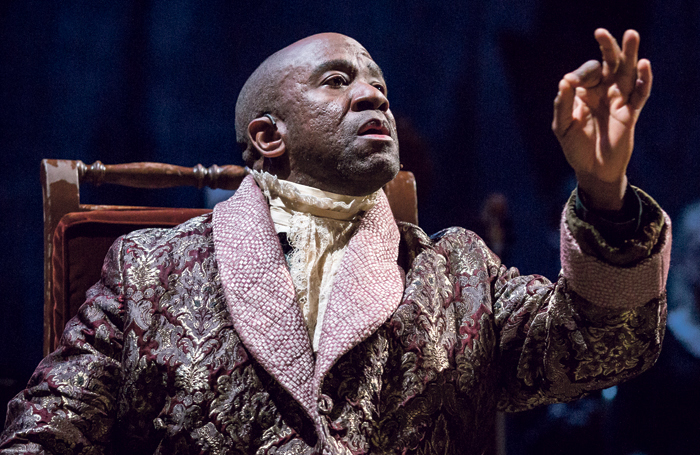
(77, 236)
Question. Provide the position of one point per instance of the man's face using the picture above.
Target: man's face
(340, 133)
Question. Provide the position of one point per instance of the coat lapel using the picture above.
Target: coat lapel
(260, 293)
(367, 288)
(261, 299)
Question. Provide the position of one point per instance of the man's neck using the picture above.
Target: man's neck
(286, 198)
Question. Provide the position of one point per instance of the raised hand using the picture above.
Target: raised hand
(595, 113)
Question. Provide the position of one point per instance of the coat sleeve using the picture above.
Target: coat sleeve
(602, 322)
(69, 403)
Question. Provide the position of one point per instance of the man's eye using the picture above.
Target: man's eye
(381, 88)
(335, 81)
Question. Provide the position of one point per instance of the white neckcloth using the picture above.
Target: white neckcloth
(319, 226)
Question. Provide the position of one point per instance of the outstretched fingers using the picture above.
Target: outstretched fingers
(642, 86)
(626, 76)
(610, 50)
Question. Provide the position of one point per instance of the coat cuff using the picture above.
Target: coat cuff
(614, 226)
(624, 275)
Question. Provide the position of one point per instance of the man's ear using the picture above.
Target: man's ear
(266, 137)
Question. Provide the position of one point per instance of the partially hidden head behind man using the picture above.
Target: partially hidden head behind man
(316, 113)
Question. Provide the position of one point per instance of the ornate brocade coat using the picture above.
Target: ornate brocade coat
(192, 341)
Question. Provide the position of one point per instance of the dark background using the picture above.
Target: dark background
(473, 81)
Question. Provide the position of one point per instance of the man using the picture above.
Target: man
(299, 318)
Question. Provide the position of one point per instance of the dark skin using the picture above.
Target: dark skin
(595, 113)
(333, 128)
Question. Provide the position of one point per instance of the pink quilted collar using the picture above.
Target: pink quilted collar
(261, 299)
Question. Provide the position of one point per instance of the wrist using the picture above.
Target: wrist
(614, 226)
(600, 195)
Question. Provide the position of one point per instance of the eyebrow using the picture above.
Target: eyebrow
(374, 68)
(347, 66)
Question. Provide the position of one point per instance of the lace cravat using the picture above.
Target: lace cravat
(319, 226)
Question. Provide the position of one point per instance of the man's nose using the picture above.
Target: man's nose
(368, 97)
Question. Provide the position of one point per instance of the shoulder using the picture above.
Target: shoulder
(453, 241)
(147, 255)
(194, 230)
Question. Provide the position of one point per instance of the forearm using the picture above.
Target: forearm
(601, 323)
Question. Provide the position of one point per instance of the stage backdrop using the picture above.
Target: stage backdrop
(472, 82)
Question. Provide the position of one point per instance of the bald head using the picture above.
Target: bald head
(329, 123)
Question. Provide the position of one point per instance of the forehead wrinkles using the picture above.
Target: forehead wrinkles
(361, 60)
(357, 56)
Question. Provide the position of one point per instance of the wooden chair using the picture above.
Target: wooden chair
(77, 236)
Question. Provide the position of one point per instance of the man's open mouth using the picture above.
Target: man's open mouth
(374, 127)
